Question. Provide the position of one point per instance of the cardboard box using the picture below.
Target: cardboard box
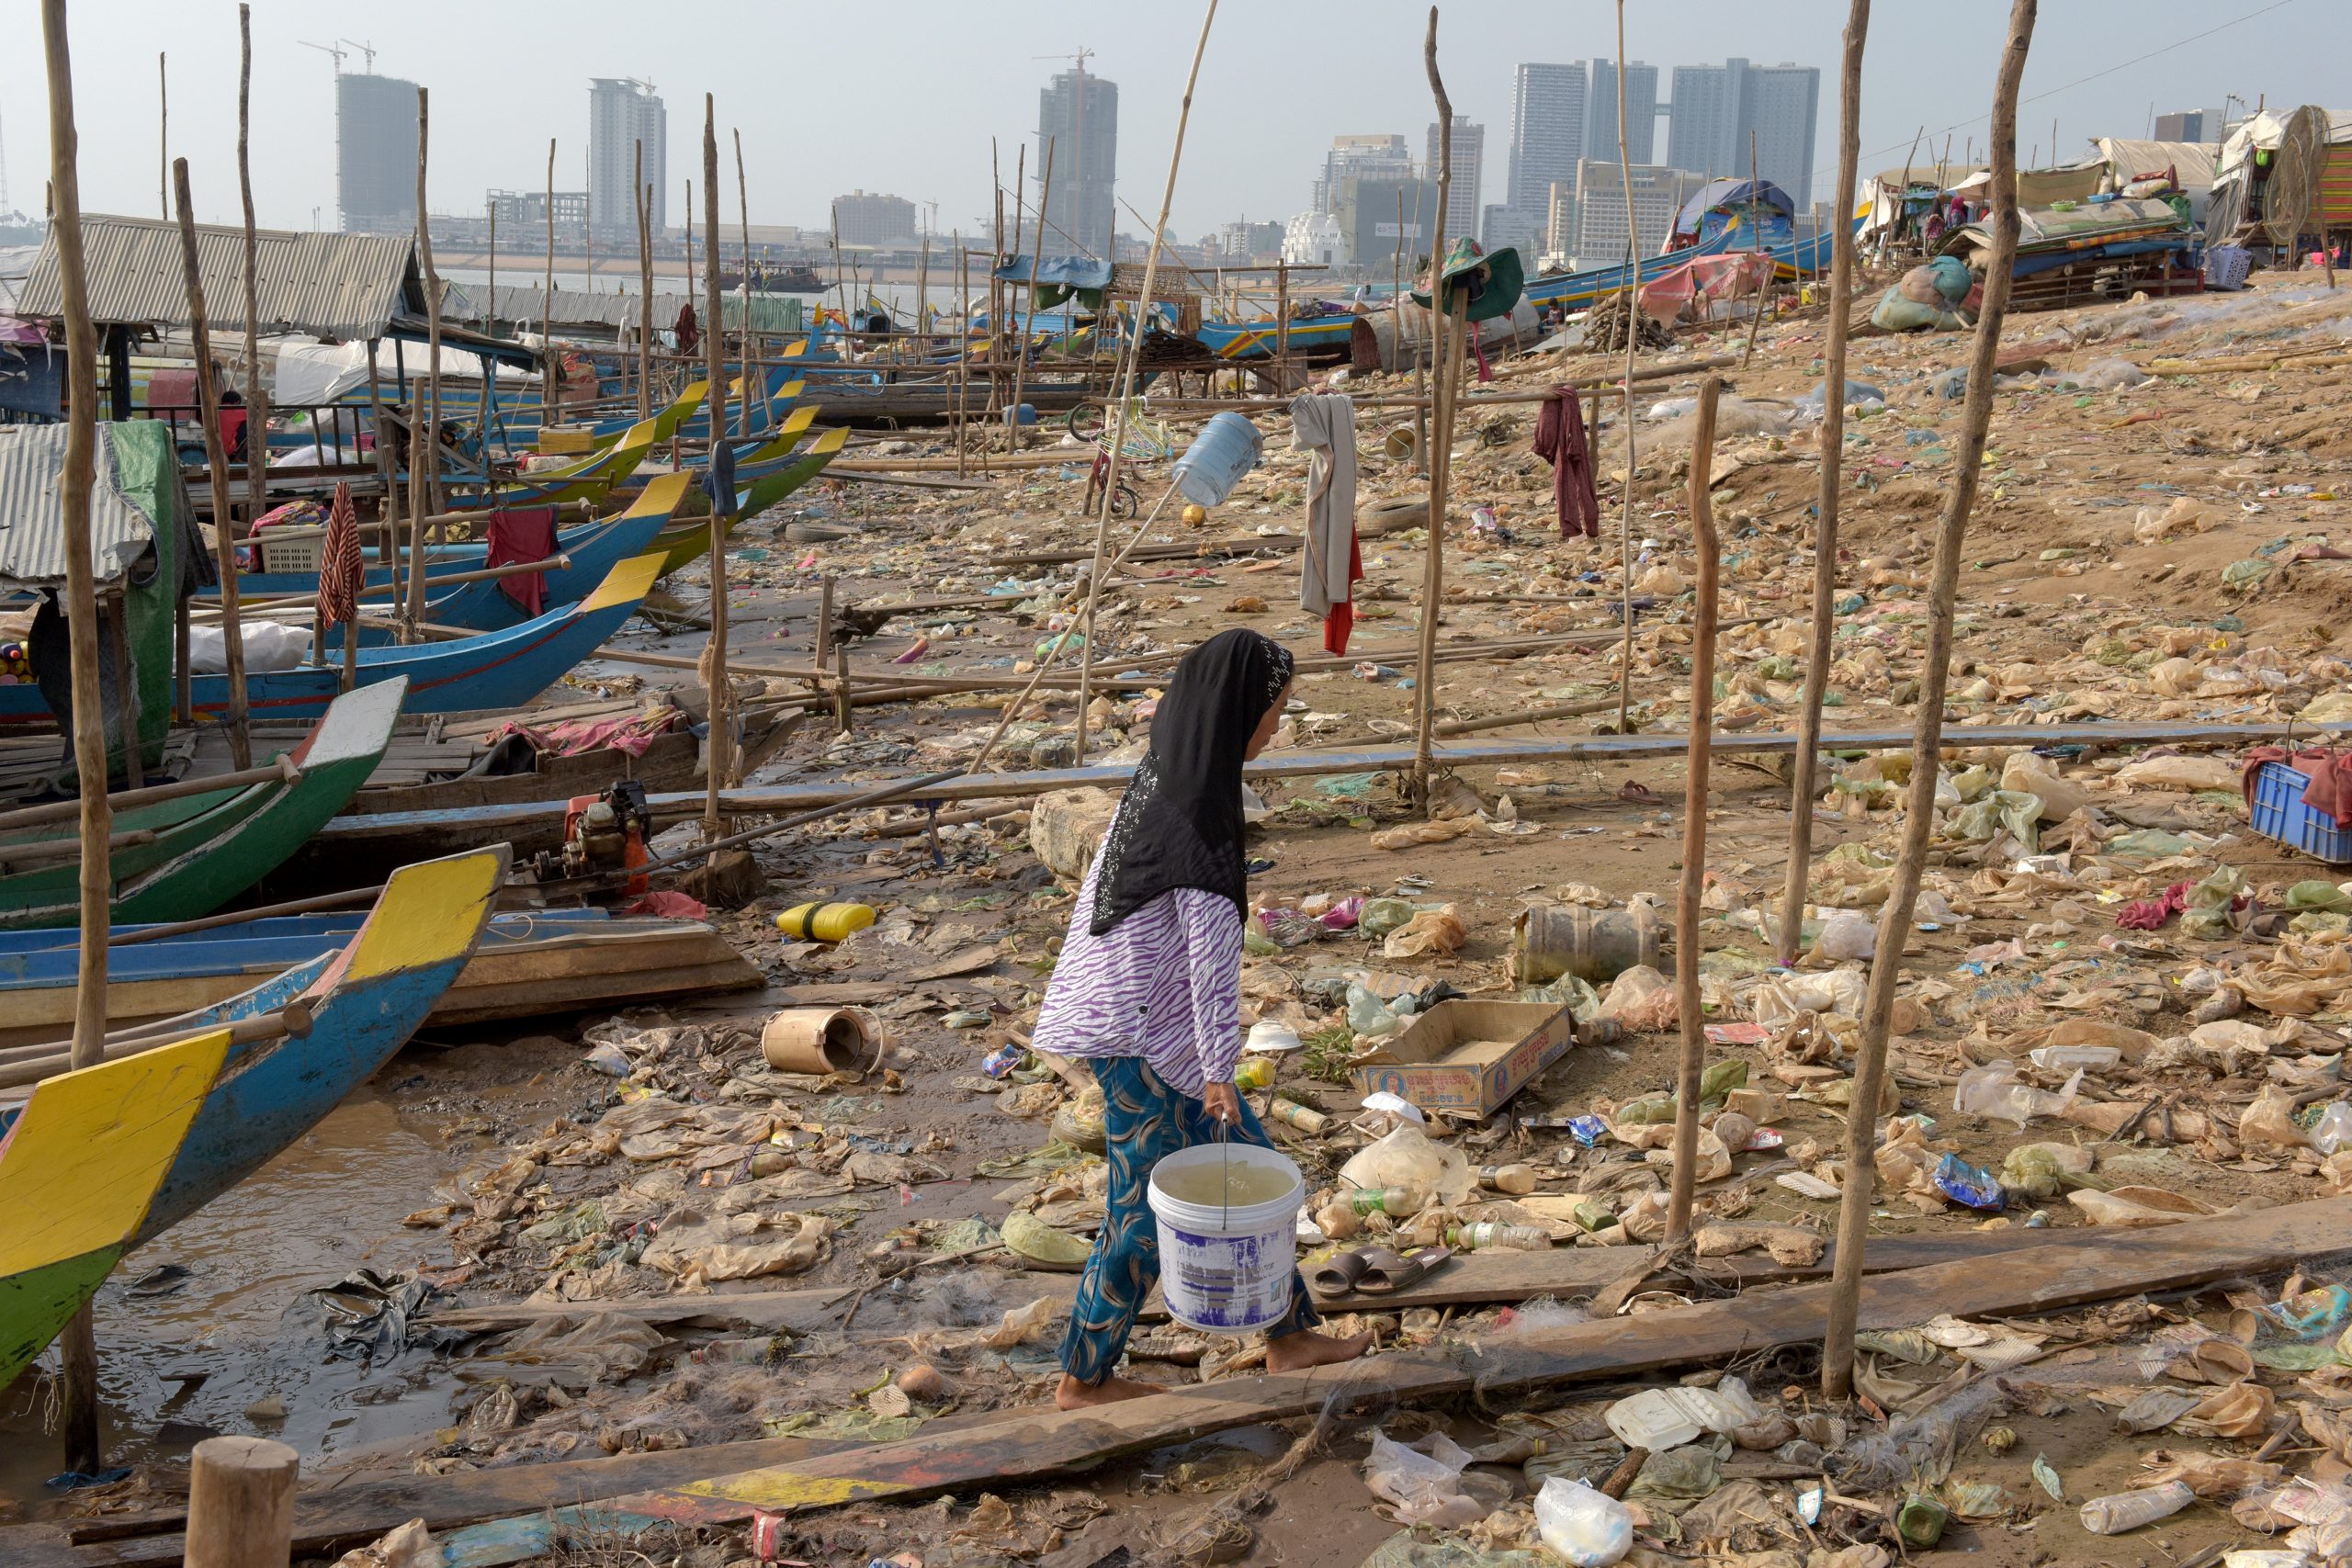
(1465, 1058)
(566, 440)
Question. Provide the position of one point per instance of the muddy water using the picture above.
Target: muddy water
(176, 1367)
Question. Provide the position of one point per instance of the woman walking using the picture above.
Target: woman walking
(1148, 986)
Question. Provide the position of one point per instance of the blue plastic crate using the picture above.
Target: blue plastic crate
(2279, 813)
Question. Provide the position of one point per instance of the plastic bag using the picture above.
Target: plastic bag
(1589, 1528)
(2270, 1121)
(1369, 1016)
(2180, 773)
(1378, 917)
(1993, 1090)
(1428, 933)
(1406, 1158)
(2026, 774)
(1642, 999)
(1844, 935)
(1578, 996)
(1424, 1480)
(2111, 376)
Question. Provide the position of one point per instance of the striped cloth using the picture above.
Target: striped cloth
(1164, 984)
(342, 573)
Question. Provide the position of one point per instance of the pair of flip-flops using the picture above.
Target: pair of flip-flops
(1375, 1271)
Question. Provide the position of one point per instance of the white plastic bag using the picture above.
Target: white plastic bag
(1591, 1529)
(1423, 1480)
(269, 644)
(1406, 1158)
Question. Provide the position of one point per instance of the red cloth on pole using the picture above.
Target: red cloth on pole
(341, 572)
(1559, 441)
(525, 536)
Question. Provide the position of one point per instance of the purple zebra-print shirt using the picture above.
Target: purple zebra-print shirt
(1164, 984)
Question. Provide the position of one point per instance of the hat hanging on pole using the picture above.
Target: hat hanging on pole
(1479, 287)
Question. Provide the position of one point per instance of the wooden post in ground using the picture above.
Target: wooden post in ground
(430, 463)
(1021, 339)
(722, 734)
(1755, 244)
(1632, 312)
(549, 414)
(1127, 387)
(1282, 324)
(240, 1503)
(1919, 805)
(963, 347)
(216, 463)
(256, 395)
(753, 385)
(1694, 820)
(1437, 458)
(644, 289)
(163, 135)
(78, 1344)
(1833, 458)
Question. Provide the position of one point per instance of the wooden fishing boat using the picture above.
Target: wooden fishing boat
(687, 540)
(95, 1162)
(176, 860)
(493, 669)
(752, 452)
(526, 965)
(587, 479)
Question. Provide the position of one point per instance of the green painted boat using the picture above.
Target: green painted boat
(177, 860)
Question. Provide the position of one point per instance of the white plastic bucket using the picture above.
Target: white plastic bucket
(1227, 1270)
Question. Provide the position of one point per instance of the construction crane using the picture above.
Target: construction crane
(367, 49)
(328, 49)
(342, 47)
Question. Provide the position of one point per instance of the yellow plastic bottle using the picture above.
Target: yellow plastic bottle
(824, 923)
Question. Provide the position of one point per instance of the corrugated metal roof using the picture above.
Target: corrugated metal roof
(32, 518)
(344, 287)
(521, 304)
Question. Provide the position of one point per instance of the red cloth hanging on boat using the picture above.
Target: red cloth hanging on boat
(526, 535)
(1559, 441)
(341, 572)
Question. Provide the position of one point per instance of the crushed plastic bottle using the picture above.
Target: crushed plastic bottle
(2332, 1131)
(2076, 1058)
(1590, 1529)
(2129, 1510)
(1397, 1202)
(1489, 1235)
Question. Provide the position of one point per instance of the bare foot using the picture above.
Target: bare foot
(1297, 1352)
(1072, 1394)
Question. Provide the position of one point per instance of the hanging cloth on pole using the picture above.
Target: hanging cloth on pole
(341, 572)
(1325, 425)
(1559, 441)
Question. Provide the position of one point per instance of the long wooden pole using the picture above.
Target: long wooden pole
(644, 289)
(551, 374)
(430, 463)
(1919, 808)
(163, 134)
(963, 347)
(1444, 347)
(722, 739)
(753, 384)
(1633, 308)
(1694, 820)
(1127, 383)
(79, 1346)
(1036, 257)
(1833, 460)
(216, 455)
(1756, 247)
(257, 393)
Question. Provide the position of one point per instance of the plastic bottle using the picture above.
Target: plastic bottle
(1305, 1117)
(824, 923)
(1253, 1073)
(1516, 1179)
(1591, 1529)
(2129, 1510)
(1487, 1235)
(2071, 1058)
(1395, 1202)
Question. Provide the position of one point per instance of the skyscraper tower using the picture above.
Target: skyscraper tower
(375, 119)
(1547, 129)
(621, 113)
(1462, 197)
(1078, 117)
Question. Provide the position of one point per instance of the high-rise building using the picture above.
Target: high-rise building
(1461, 202)
(621, 113)
(1548, 131)
(1659, 193)
(1077, 118)
(1504, 227)
(524, 213)
(1386, 222)
(375, 155)
(1717, 107)
(1365, 157)
(881, 223)
(2190, 125)
(1641, 112)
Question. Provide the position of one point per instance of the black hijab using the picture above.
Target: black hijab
(1180, 825)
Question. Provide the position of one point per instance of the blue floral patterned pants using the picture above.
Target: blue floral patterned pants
(1143, 1121)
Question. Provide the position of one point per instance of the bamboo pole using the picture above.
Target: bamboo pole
(79, 1343)
(1037, 255)
(722, 746)
(549, 414)
(163, 135)
(1833, 459)
(256, 395)
(963, 349)
(1952, 532)
(1694, 820)
(216, 461)
(1127, 386)
(1437, 458)
(431, 463)
(644, 289)
(1632, 305)
(753, 383)
(1756, 247)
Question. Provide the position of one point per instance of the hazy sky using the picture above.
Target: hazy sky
(904, 98)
